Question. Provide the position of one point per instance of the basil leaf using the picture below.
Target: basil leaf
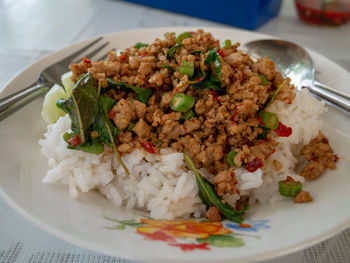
(265, 131)
(143, 94)
(169, 67)
(197, 52)
(139, 45)
(94, 147)
(207, 194)
(81, 106)
(172, 51)
(211, 57)
(207, 84)
(106, 129)
(214, 56)
(182, 36)
(263, 80)
(102, 121)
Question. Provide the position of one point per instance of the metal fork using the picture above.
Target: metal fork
(46, 79)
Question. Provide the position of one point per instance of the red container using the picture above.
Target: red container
(324, 12)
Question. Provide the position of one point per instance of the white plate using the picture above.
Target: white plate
(276, 230)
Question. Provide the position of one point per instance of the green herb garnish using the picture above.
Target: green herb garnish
(130, 126)
(208, 196)
(139, 45)
(172, 51)
(276, 92)
(263, 80)
(143, 94)
(82, 105)
(88, 112)
(182, 36)
(197, 52)
(169, 67)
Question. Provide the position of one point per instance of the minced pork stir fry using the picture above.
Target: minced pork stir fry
(198, 96)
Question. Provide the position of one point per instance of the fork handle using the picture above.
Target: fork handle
(335, 97)
(15, 101)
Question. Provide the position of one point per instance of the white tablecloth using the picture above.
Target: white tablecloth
(30, 29)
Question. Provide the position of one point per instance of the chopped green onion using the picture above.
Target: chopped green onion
(183, 36)
(227, 44)
(130, 126)
(181, 102)
(189, 115)
(169, 67)
(67, 136)
(187, 68)
(230, 158)
(139, 45)
(289, 187)
(270, 119)
(263, 80)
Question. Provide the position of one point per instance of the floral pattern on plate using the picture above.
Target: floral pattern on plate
(249, 225)
(189, 235)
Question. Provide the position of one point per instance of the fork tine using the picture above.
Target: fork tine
(92, 53)
(106, 55)
(81, 50)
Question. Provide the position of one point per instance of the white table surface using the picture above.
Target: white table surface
(30, 29)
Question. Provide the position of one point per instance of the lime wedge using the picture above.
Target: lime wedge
(50, 113)
(67, 82)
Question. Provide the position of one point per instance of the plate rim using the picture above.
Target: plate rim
(100, 249)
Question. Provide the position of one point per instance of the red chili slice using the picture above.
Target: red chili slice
(74, 141)
(283, 130)
(254, 165)
(261, 121)
(221, 53)
(85, 60)
(122, 57)
(111, 114)
(234, 115)
(214, 92)
(148, 147)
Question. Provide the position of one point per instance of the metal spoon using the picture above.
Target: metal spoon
(294, 62)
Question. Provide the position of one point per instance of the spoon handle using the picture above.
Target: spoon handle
(329, 94)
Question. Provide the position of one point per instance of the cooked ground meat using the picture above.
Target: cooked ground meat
(303, 197)
(320, 156)
(122, 114)
(225, 114)
(213, 214)
(225, 182)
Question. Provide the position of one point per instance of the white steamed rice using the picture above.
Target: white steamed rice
(161, 184)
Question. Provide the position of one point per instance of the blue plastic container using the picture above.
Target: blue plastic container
(249, 14)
